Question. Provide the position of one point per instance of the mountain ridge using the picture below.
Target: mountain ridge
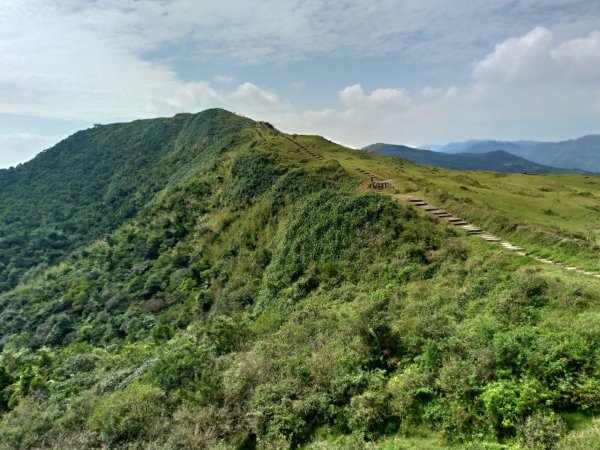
(581, 153)
(496, 160)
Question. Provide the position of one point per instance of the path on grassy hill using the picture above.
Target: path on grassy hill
(479, 232)
(263, 128)
(303, 148)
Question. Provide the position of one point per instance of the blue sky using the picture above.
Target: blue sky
(414, 72)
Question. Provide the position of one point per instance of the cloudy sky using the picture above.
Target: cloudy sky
(357, 71)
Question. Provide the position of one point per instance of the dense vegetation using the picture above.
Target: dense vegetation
(498, 160)
(261, 299)
(77, 191)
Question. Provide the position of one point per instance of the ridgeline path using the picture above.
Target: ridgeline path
(263, 128)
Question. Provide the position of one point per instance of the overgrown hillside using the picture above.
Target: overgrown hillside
(259, 297)
(89, 184)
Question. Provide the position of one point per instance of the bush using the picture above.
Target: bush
(368, 411)
(508, 401)
(251, 175)
(5, 380)
(133, 413)
(542, 431)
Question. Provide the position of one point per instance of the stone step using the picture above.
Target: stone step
(430, 208)
(459, 224)
(438, 212)
(509, 246)
(489, 238)
(415, 200)
(455, 219)
(419, 203)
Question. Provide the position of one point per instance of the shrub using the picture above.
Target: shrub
(508, 401)
(128, 414)
(5, 380)
(368, 411)
(542, 431)
(251, 175)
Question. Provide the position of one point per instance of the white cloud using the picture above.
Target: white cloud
(61, 66)
(430, 93)
(528, 87)
(250, 98)
(523, 58)
(536, 58)
(267, 30)
(354, 97)
(452, 114)
(579, 58)
(59, 62)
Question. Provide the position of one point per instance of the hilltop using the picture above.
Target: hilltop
(207, 281)
(497, 161)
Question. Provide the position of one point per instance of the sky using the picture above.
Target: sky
(413, 72)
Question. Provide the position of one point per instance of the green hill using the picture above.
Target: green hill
(497, 161)
(247, 290)
(89, 184)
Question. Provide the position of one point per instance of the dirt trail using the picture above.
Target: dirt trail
(264, 129)
(303, 148)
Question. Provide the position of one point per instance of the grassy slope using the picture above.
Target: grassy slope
(538, 211)
(288, 307)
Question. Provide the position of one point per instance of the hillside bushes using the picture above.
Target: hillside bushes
(262, 305)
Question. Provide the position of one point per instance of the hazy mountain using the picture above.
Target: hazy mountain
(582, 153)
(497, 161)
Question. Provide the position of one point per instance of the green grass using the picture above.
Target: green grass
(555, 216)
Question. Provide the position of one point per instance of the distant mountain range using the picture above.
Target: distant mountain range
(582, 153)
(497, 160)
